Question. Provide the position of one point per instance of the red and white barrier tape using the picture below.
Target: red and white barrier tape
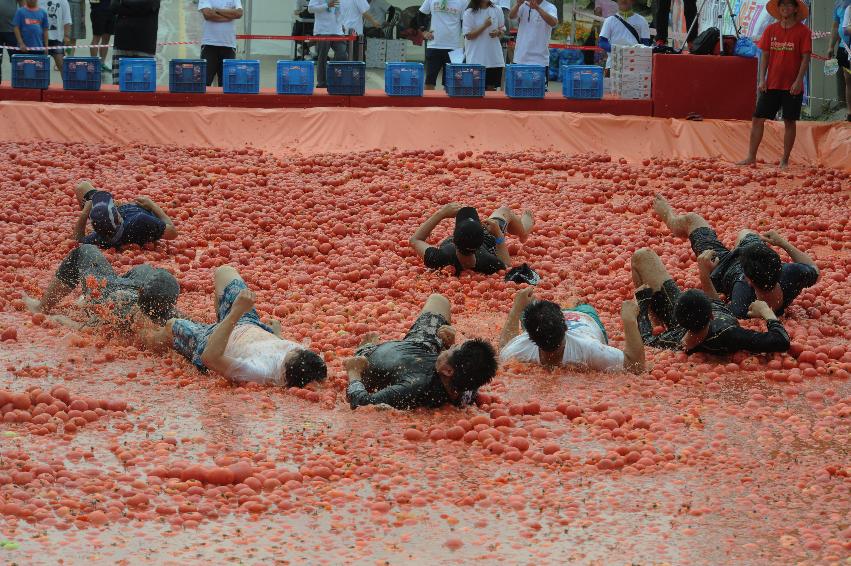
(164, 43)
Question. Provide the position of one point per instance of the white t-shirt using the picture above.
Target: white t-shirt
(484, 50)
(378, 10)
(583, 346)
(617, 34)
(846, 23)
(327, 21)
(256, 355)
(351, 14)
(222, 34)
(533, 35)
(58, 15)
(445, 22)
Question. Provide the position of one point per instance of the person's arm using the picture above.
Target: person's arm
(46, 34)
(798, 86)
(418, 240)
(603, 43)
(230, 14)
(774, 339)
(706, 262)
(170, 232)
(763, 69)
(603, 38)
(212, 16)
(774, 238)
(474, 33)
(511, 328)
(512, 14)
(834, 39)
(214, 354)
(372, 21)
(551, 20)
(633, 351)
(399, 396)
(20, 39)
(80, 225)
(156, 338)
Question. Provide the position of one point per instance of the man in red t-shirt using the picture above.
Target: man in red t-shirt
(786, 47)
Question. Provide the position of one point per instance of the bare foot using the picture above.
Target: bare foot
(528, 223)
(83, 188)
(33, 305)
(662, 208)
(748, 161)
(784, 163)
(369, 338)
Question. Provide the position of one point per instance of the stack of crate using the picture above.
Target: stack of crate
(632, 71)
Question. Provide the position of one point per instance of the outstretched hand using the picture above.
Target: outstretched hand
(446, 333)
(145, 202)
(523, 298)
(244, 302)
(707, 260)
(774, 238)
(629, 310)
(355, 365)
(450, 210)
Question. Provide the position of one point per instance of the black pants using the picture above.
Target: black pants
(215, 55)
(81, 262)
(341, 53)
(7, 38)
(663, 12)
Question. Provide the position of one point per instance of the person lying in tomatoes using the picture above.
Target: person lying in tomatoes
(424, 369)
(139, 222)
(476, 245)
(239, 346)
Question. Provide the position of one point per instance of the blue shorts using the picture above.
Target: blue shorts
(189, 338)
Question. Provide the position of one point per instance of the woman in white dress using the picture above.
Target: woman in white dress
(483, 24)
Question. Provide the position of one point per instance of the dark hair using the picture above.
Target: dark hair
(158, 296)
(474, 364)
(761, 265)
(304, 367)
(475, 5)
(693, 310)
(544, 321)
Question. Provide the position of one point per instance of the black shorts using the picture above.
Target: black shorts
(493, 79)
(82, 261)
(436, 60)
(424, 331)
(771, 101)
(842, 58)
(103, 22)
(663, 301)
(729, 270)
(54, 43)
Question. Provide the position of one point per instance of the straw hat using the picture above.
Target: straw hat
(773, 8)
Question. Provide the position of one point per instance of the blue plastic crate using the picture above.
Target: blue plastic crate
(295, 77)
(582, 81)
(242, 76)
(187, 75)
(81, 73)
(464, 80)
(137, 74)
(30, 71)
(346, 78)
(404, 79)
(525, 81)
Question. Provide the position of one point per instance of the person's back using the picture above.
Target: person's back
(257, 355)
(408, 368)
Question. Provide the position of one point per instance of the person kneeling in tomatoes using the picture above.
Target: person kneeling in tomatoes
(239, 346)
(475, 245)
(424, 369)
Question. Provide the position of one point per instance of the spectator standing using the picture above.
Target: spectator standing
(59, 33)
(78, 23)
(786, 48)
(624, 28)
(535, 22)
(840, 46)
(483, 26)
(353, 13)
(30, 25)
(136, 23)
(303, 25)
(218, 41)
(329, 21)
(660, 20)
(443, 37)
(103, 26)
(8, 9)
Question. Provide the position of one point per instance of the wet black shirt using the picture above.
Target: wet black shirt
(486, 260)
(725, 335)
(794, 278)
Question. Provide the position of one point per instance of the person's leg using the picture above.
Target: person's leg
(222, 277)
(520, 226)
(321, 63)
(663, 8)
(681, 225)
(209, 55)
(82, 191)
(80, 262)
(117, 55)
(690, 9)
(224, 53)
(104, 51)
(432, 68)
(846, 73)
(93, 51)
(648, 269)
(341, 51)
(426, 328)
(790, 130)
(757, 131)
(438, 304)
